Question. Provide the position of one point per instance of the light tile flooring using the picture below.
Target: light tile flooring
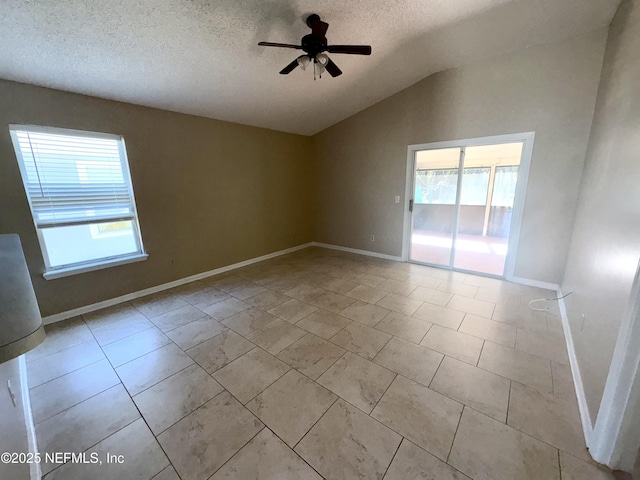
(318, 364)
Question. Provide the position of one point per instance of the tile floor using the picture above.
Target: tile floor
(318, 364)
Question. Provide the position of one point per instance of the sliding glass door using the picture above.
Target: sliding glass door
(436, 192)
(462, 208)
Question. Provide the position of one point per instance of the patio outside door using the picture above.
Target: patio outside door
(463, 205)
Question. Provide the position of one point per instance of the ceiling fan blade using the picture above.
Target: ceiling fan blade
(332, 68)
(289, 68)
(350, 49)
(283, 45)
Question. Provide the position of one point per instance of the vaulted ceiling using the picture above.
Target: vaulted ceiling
(201, 56)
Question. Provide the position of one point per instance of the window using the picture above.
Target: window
(504, 188)
(438, 186)
(475, 186)
(81, 198)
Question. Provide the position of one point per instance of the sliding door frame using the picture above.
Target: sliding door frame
(527, 139)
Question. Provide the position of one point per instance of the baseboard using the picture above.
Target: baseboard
(359, 252)
(165, 286)
(585, 417)
(536, 283)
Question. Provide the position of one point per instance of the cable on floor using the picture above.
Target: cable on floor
(545, 300)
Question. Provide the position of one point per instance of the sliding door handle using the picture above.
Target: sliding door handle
(411, 205)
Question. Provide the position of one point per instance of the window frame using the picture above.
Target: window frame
(53, 272)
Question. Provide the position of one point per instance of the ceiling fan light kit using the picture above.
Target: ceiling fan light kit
(303, 61)
(314, 45)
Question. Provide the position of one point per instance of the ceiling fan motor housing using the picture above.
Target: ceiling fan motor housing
(316, 41)
(313, 44)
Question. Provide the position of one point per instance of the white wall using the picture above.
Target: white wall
(605, 245)
(549, 89)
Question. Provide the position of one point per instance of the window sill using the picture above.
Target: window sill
(90, 267)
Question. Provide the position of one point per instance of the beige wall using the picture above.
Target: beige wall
(605, 246)
(209, 193)
(550, 90)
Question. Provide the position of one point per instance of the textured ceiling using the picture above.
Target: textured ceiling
(201, 56)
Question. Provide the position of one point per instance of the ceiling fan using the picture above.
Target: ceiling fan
(314, 45)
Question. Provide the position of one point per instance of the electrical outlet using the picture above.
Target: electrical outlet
(172, 262)
(372, 238)
(397, 198)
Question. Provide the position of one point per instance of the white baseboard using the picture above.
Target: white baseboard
(536, 283)
(165, 286)
(359, 252)
(585, 417)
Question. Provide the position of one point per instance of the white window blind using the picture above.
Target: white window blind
(74, 179)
